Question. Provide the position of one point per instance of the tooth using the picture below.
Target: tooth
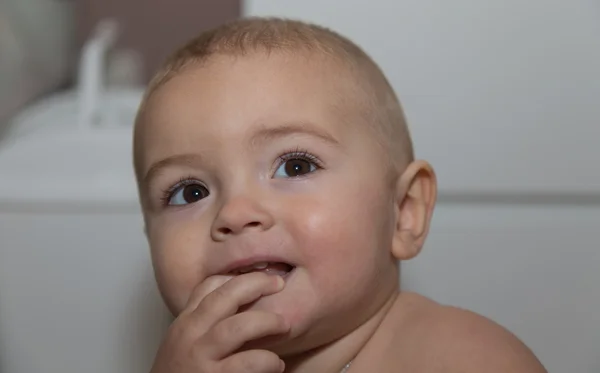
(250, 268)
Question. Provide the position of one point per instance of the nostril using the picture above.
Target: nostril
(225, 230)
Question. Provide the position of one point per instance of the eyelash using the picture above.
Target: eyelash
(167, 194)
(296, 153)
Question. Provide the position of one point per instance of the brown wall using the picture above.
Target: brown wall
(155, 27)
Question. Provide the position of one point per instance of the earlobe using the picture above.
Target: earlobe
(416, 193)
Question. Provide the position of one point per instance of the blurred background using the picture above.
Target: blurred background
(502, 97)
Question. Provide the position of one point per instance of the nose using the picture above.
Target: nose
(239, 215)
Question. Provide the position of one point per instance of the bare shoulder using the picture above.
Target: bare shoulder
(430, 337)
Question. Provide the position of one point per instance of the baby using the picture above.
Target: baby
(280, 193)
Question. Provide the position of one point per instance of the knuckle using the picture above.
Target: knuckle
(187, 327)
(211, 300)
(216, 295)
(178, 331)
(225, 331)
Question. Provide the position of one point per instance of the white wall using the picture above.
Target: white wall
(77, 292)
(532, 268)
(35, 51)
(503, 98)
(483, 78)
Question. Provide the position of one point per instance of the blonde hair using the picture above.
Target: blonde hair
(267, 35)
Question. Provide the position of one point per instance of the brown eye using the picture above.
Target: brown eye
(296, 164)
(188, 194)
(297, 167)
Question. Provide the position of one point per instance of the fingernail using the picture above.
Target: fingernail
(280, 282)
(286, 325)
(220, 281)
(227, 279)
(282, 365)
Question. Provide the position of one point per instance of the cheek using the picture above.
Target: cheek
(340, 232)
(177, 260)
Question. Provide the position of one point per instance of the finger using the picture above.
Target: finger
(224, 301)
(253, 361)
(203, 289)
(230, 334)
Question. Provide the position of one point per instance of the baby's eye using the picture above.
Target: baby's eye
(188, 193)
(295, 166)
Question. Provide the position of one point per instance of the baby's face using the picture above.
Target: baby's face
(265, 159)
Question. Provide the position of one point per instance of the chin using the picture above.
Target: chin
(294, 343)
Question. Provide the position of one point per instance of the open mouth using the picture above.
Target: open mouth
(270, 268)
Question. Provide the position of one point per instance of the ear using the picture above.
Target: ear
(416, 193)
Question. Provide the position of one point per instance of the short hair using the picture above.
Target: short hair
(268, 35)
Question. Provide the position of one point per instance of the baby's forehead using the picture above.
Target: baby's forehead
(276, 90)
(281, 79)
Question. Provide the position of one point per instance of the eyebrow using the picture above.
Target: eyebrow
(292, 128)
(179, 159)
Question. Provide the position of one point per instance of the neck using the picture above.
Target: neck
(334, 357)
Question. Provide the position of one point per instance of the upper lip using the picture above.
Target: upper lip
(248, 261)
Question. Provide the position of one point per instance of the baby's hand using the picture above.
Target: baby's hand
(206, 334)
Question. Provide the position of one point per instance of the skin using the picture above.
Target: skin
(344, 225)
